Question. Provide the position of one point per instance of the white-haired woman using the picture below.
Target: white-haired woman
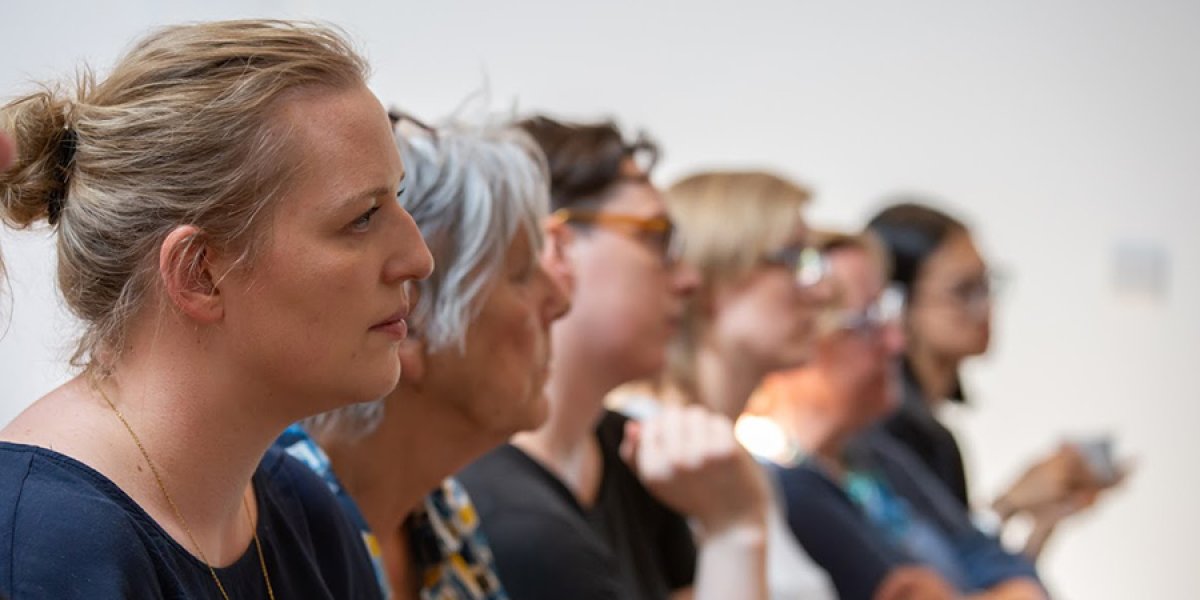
(474, 365)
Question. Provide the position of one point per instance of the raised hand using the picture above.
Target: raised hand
(689, 459)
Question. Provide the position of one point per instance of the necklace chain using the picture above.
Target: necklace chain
(179, 515)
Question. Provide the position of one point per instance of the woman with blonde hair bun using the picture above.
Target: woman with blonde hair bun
(229, 237)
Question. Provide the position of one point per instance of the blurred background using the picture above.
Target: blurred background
(1066, 133)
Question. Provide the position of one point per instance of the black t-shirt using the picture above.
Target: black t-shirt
(66, 531)
(915, 426)
(628, 546)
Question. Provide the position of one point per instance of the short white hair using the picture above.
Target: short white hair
(470, 189)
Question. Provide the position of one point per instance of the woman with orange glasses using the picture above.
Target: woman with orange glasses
(592, 505)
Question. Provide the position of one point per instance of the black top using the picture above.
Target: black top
(914, 425)
(628, 546)
(66, 531)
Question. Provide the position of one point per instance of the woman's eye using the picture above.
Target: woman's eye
(361, 223)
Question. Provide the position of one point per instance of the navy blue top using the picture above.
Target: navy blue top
(859, 553)
(835, 533)
(66, 532)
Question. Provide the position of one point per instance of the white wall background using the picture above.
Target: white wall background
(1059, 128)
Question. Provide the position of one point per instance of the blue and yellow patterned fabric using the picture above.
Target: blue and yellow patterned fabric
(450, 552)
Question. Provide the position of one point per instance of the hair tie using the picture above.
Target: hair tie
(66, 157)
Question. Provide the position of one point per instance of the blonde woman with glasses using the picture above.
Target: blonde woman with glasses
(762, 287)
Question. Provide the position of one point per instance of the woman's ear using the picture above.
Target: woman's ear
(555, 253)
(185, 266)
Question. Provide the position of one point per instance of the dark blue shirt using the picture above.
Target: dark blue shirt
(836, 534)
(859, 553)
(66, 532)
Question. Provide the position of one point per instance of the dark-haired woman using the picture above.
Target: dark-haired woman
(947, 320)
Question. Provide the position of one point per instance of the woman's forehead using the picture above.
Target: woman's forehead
(957, 255)
(636, 198)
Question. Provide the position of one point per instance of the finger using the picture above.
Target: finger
(675, 437)
(651, 462)
(694, 436)
(1124, 469)
(895, 587)
(720, 435)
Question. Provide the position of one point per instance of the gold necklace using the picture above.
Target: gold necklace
(179, 515)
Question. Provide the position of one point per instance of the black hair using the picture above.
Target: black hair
(912, 231)
(585, 158)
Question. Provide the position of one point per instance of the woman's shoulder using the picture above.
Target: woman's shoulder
(35, 480)
(805, 481)
(66, 531)
(508, 483)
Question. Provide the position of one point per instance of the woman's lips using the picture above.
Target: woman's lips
(394, 326)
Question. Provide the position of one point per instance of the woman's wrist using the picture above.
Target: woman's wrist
(749, 531)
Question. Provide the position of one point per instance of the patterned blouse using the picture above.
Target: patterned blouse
(448, 548)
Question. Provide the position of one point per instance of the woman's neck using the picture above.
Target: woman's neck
(725, 379)
(420, 441)
(935, 375)
(576, 391)
(205, 437)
